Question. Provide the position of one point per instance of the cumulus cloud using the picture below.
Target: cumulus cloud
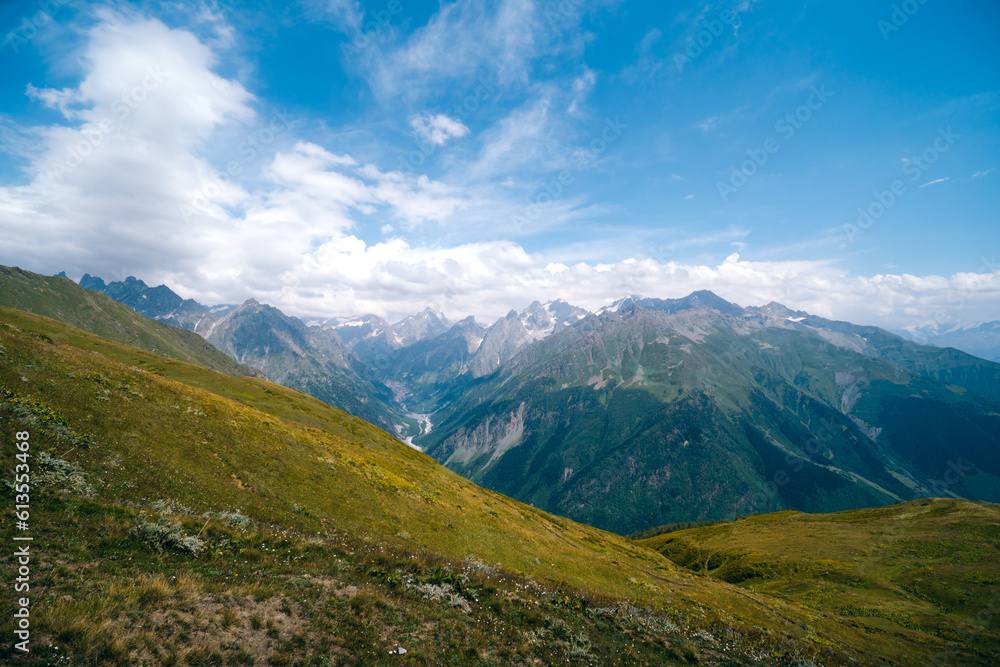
(106, 186)
(521, 138)
(123, 188)
(489, 279)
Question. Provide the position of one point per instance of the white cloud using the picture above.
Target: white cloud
(346, 13)
(62, 100)
(524, 137)
(106, 190)
(489, 279)
(649, 40)
(980, 174)
(646, 64)
(438, 129)
(940, 180)
(459, 43)
(126, 187)
(708, 124)
(297, 239)
(582, 86)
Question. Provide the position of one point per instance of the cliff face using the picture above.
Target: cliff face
(471, 450)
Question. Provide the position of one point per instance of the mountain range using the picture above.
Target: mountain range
(185, 515)
(659, 411)
(650, 411)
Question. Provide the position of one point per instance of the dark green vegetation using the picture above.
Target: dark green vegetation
(674, 527)
(63, 300)
(926, 567)
(184, 517)
(700, 410)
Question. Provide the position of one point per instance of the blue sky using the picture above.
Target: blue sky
(335, 157)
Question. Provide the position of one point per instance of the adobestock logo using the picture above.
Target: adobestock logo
(701, 41)
(31, 25)
(899, 17)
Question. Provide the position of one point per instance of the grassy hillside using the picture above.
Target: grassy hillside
(63, 300)
(182, 516)
(926, 567)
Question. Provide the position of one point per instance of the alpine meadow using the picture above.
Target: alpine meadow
(499, 333)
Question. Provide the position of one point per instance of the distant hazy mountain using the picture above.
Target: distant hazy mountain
(982, 340)
(432, 371)
(658, 411)
(372, 338)
(425, 324)
(369, 336)
(427, 362)
(699, 299)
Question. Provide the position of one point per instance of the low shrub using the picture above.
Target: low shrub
(165, 534)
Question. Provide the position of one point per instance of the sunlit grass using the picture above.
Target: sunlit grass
(343, 524)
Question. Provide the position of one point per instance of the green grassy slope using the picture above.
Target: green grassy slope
(323, 539)
(63, 300)
(926, 567)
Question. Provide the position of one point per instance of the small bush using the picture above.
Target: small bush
(236, 519)
(167, 535)
(444, 592)
(169, 506)
(62, 475)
